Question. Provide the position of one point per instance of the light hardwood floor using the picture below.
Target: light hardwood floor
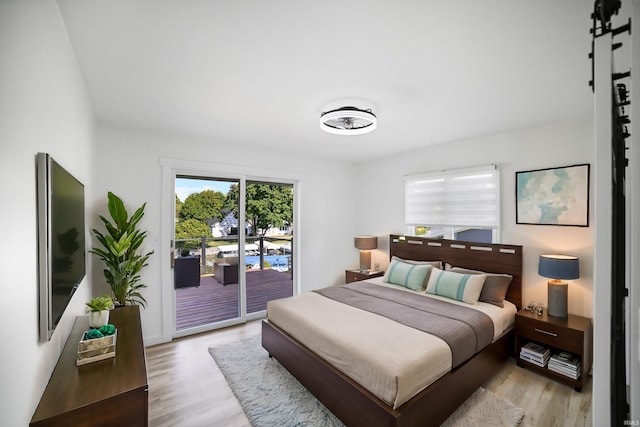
(186, 388)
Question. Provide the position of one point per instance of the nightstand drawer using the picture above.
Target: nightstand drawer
(550, 334)
(355, 275)
(352, 276)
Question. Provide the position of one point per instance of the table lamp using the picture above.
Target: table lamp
(558, 268)
(365, 244)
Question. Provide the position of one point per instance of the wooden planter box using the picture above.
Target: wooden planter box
(90, 351)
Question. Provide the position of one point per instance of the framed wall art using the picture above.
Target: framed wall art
(554, 196)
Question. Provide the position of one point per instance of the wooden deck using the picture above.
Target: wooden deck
(212, 302)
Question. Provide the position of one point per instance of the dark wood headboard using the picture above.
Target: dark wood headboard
(489, 257)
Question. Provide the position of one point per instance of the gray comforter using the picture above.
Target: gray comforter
(465, 330)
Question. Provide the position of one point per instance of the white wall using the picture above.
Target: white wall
(603, 229)
(381, 209)
(43, 107)
(129, 165)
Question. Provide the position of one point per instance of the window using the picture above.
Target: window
(454, 204)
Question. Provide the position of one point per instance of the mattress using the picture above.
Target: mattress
(391, 360)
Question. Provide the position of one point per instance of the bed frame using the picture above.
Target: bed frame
(353, 404)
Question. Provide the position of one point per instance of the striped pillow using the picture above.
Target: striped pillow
(494, 290)
(460, 287)
(408, 275)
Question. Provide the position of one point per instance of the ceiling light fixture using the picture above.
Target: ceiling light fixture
(348, 121)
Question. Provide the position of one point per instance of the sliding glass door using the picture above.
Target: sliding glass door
(233, 250)
(206, 261)
(268, 243)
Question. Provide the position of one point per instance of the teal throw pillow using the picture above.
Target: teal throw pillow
(408, 275)
(460, 287)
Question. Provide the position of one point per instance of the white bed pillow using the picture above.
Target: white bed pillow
(460, 287)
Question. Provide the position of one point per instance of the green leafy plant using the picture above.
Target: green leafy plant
(121, 251)
(99, 303)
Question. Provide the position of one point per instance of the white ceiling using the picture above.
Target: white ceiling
(261, 72)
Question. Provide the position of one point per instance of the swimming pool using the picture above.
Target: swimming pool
(277, 262)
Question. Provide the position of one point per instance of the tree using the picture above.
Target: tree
(267, 205)
(232, 200)
(178, 206)
(203, 205)
(191, 229)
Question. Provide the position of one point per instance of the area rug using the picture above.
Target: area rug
(271, 396)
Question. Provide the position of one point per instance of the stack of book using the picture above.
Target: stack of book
(535, 353)
(566, 364)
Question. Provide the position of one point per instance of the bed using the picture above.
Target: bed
(364, 405)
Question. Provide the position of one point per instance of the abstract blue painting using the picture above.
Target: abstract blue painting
(554, 196)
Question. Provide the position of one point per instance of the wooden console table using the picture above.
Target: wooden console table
(110, 392)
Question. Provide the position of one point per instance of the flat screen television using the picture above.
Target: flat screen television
(61, 240)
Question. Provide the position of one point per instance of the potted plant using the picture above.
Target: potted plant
(121, 252)
(98, 310)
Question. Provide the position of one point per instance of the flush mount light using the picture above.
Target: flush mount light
(348, 121)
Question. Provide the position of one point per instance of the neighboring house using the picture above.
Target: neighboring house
(278, 231)
(227, 227)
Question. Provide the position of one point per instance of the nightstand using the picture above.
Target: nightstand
(355, 275)
(573, 334)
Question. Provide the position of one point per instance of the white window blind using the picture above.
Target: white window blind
(467, 197)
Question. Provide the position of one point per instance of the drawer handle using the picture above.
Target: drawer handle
(546, 332)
